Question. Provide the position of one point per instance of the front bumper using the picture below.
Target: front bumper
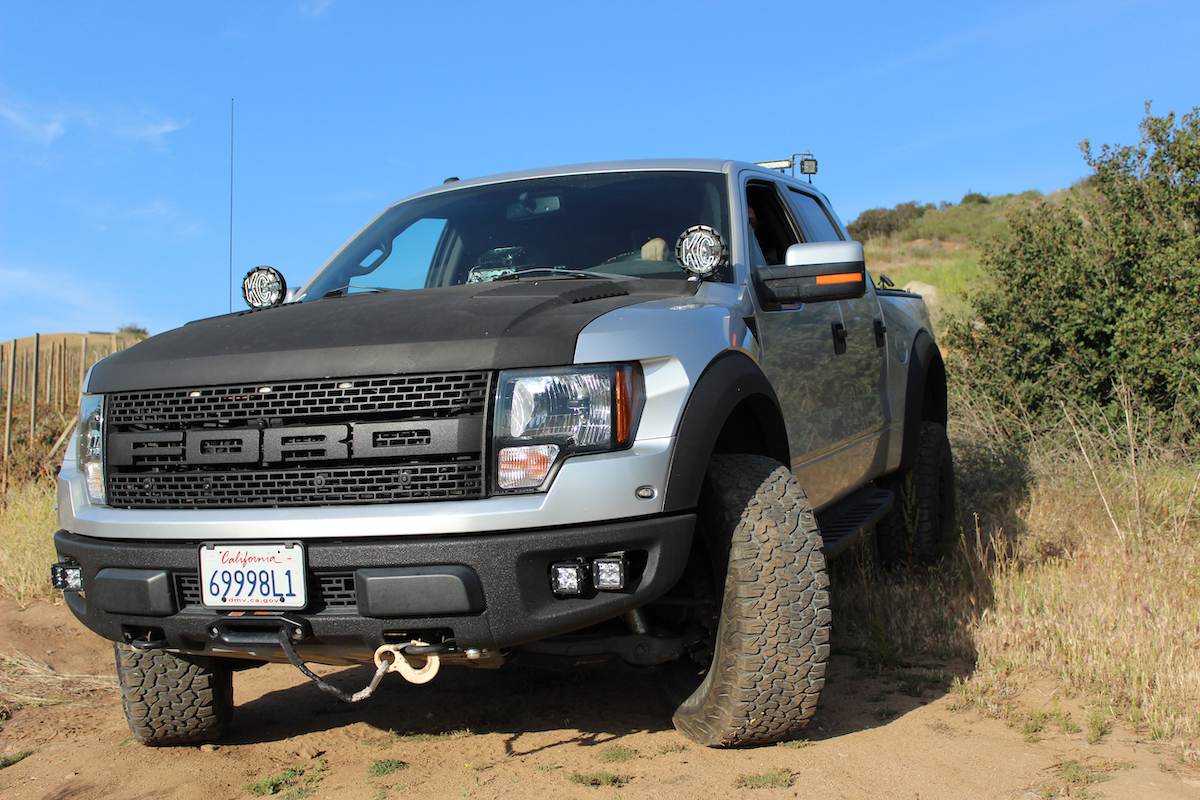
(499, 593)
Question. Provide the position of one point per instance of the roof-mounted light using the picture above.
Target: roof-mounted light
(807, 162)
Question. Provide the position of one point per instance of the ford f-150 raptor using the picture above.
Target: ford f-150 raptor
(608, 414)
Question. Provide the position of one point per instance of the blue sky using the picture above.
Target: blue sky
(115, 117)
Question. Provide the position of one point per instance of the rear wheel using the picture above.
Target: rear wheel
(921, 526)
(170, 699)
(756, 677)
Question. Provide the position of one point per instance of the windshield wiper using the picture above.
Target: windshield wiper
(343, 290)
(562, 272)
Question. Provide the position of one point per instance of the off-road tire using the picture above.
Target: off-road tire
(171, 700)
(921, 527)
(771, 643)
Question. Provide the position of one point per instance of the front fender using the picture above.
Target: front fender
(732, 408)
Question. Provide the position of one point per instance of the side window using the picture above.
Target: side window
(809, 209)
(772, 226)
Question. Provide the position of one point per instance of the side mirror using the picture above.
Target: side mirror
(815, 272)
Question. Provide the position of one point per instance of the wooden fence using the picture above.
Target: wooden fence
(43, 375)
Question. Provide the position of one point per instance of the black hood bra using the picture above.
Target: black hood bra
(496, 325)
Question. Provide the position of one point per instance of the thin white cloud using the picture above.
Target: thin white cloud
(44, 127)
(152, 132)
(41, 128)
(315, 8)
(156, 218)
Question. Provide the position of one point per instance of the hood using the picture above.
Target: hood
(482, 326)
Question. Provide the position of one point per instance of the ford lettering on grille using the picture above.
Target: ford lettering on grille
(296, 444)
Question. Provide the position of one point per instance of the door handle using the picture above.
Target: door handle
(880, 331)
(839, 338)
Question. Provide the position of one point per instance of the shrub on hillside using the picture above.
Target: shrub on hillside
(1095, 299)
(885, 221)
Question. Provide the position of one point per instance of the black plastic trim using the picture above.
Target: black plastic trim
(730, 380)
(512, 569)
(924, 359)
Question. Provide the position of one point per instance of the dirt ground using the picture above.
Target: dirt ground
(519, 732)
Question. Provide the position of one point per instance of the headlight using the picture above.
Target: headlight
(546, 415)
(89, 445)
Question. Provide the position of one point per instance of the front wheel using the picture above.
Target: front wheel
(170, 699)
(759, 676)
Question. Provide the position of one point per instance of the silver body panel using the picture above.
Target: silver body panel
(674, 341)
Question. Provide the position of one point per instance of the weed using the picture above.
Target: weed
(668, 749)
(273, 784)
(600, 778)
(385, 766)
(12, 758)
(426, 738)
(915, 684)
(615, 753)
(795, 744)
(298, 782)
(1034, 725)
(1098, 724)
(885, 712)
(548, 767)
(1063, 720)
(780, 778)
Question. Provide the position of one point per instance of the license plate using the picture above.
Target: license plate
(266, 576)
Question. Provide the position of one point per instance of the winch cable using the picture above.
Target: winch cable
(385, 662)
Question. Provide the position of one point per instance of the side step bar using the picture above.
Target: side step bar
(842, 523)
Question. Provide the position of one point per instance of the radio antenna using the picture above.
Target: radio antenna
(231, 205)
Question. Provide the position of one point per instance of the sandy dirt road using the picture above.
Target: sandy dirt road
(524, 733)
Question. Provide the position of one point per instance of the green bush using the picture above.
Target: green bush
(876, 222)
(1093, 301)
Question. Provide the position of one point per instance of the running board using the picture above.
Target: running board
(842, 523)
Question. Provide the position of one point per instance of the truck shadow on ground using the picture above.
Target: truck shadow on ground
(598, 705)
(584, 708)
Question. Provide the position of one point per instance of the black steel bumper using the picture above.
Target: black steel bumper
(482, 591)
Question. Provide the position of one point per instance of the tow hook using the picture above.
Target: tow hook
(416, 661)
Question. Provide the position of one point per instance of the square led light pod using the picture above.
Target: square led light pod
(608, 573)
(66, 576)
(567, 578)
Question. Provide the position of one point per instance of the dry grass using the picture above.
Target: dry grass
(27, 521)
(26, 682)
(1113, 614)
(1080, 559)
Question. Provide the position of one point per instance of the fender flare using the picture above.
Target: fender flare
(729, 381)
(924, 364)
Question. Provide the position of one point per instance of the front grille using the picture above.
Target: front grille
(264, 488)
(396, 396)
(383, 439)
(331, 590)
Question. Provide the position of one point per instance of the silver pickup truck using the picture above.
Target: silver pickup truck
(612, 415)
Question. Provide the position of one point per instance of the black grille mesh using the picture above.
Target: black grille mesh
(157, 474)
(334, 486)
(398, 395)
(334, 590)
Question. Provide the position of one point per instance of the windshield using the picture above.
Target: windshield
(622, 223)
